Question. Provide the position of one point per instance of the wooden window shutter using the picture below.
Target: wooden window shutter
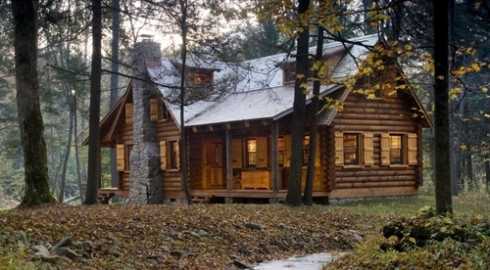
(236, 153)
(128, 109)
(262, 152)
(154, 111)
(368, 149)
(177, 153)
(163, 155)
(385, 149)
(339, 148)
(412, 149)
(120, 157)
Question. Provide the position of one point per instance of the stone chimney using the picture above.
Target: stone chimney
(145, 177)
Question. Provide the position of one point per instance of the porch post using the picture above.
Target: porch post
(228, 165)
(273, 155)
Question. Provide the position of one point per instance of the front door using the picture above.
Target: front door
(214, 165)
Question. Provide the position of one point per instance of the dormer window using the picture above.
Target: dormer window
(200, 77)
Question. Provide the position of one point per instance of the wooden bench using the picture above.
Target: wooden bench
(259, 179)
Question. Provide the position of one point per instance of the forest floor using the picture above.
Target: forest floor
(195, 237)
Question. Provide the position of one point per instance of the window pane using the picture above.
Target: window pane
(306, 149)
(173, 155)
(252, 152)
(351, 149)
(396, 149)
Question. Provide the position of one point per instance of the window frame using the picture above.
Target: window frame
(171, 157)
(306, 149)
(248, 152)
(403, 149)
(281, 151)
(358, 151)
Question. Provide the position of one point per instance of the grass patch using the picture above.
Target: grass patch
(426, 241)
(468, 204)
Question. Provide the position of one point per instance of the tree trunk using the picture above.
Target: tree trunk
(93, 172)
(441, 110)
(28, 106)
(77, 151)
(61, 194)
(315, 106)
(183, 142)
(299, 110)
(487, 174)
(114, 80)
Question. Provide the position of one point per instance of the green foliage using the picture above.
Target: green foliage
(16, 260)
(424, 242)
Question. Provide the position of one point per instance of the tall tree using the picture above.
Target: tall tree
(93, 172)
(315, 106)
(299, 108)
(183, 136)
(28, 106)
(77, 151)
(61, 194)
(441, 109)
(115, 78)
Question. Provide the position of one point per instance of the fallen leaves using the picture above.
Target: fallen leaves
(169, 237)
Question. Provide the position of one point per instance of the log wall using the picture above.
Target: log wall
(383, 115)
(166, 129)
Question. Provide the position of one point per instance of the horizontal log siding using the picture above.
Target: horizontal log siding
(392, 114)
(167, 129)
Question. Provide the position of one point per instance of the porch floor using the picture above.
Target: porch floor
(247, 193)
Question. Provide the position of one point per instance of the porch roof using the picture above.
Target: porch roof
(269, 103)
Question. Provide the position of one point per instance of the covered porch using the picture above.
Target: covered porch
(248, 160)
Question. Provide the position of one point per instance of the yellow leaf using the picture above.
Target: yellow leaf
(455, 92)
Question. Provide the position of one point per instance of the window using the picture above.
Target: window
(281, 147)
(252, 153)
(173, 160)
(306, 149)
(396, 149)
(351, 149)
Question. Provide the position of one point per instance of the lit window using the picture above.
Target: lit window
(351, 149)
(306, 149)
(252, 152)
(396, 149)
(281, 146)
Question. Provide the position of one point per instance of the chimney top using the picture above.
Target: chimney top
(146, 53)
(146, 37)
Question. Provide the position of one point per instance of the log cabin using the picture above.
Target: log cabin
(239, 142)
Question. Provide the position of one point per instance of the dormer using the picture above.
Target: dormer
(200, 77)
